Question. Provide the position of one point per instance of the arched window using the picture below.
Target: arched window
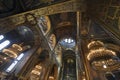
(67, 43)
(15, 62)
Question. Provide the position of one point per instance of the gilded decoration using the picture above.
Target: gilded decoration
(44, 24)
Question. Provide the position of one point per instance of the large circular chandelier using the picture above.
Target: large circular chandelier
(95, 45)
(101, 58)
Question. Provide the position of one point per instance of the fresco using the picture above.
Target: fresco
(52, 41)
(45, 24)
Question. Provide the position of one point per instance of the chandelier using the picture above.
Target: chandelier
(13, 51)
(101, 58)
(37, 70)
(95, 45)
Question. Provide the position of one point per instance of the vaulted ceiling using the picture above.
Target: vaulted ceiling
(64, 25)
(98, 19)
(80, 20)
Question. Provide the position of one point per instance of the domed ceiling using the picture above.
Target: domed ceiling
(66, 24)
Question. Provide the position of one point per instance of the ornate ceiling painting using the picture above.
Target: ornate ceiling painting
(64, 24)
(67, 39)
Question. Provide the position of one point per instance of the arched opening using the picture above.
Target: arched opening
(69, 66)
(67, 43)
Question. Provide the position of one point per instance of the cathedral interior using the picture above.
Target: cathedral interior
(59, 39)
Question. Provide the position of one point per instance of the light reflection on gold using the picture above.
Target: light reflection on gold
(38, 67)
(95, 43)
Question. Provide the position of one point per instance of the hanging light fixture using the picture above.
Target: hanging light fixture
(37, 70)
(13, 51)
(101, 52)
(18, 47)
(95, 45)
(101, 58)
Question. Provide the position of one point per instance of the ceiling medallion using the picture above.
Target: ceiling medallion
(102, 59)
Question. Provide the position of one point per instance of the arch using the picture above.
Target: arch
(69, 65)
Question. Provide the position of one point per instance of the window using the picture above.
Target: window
(1, 37)
(15, 62)
(68, 43)
(20, 56)
(68, 40)
(11, 66)
(4, 44)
